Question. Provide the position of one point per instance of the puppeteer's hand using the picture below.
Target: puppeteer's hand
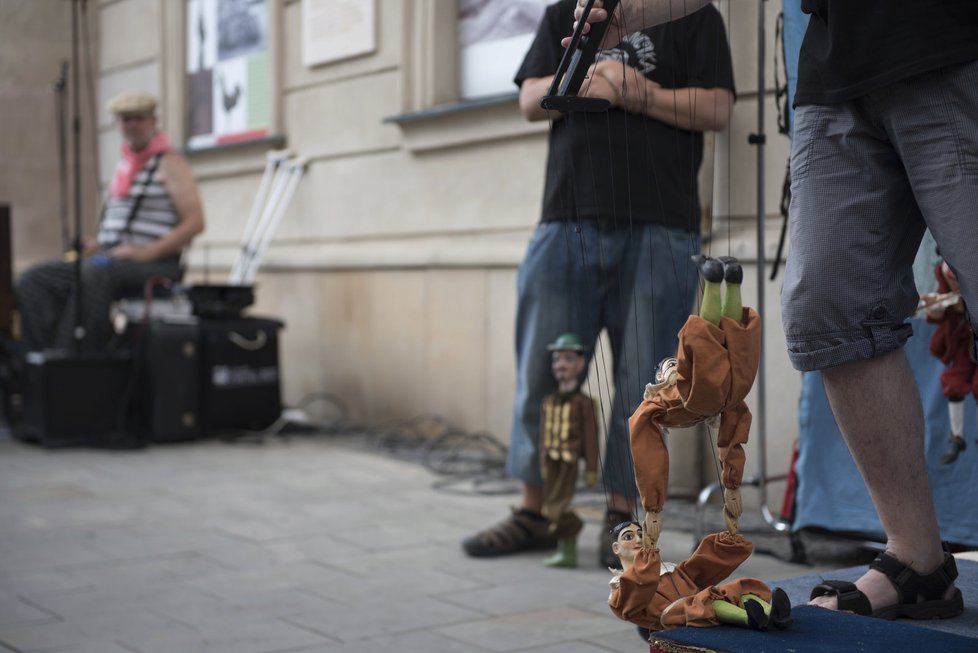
(596, 85)
(137, 253)
(598, 14)
(634, 90)
(651, 529)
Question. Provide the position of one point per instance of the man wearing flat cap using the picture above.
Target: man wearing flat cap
(151, 213)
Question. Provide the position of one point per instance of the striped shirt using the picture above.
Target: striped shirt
(155, 217)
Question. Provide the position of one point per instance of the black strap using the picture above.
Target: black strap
(911, 584)
(849, 597)
(154, 163)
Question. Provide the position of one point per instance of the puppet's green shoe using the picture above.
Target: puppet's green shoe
(566, 555)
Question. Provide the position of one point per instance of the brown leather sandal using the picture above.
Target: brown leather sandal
(920, 596)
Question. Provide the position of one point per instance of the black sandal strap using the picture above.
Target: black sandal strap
(849, 597)
(910, 584)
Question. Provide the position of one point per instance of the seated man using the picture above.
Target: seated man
(152, 213)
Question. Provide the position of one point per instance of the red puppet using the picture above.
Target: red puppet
(953, 344)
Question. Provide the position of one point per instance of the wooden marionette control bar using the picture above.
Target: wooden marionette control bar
(577, 59)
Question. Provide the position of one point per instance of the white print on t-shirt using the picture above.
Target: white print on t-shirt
(636, 49)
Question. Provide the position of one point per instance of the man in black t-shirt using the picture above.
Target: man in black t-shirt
(619, 222)
(885, 144)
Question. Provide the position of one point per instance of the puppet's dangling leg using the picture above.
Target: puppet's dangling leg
(566, 555)
(955, 407)
(752, 614)
(733, 274)
(566, 527)
(712, 272)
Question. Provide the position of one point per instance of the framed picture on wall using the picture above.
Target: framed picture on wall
(228, 94)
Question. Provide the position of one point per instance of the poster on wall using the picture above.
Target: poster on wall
(228, 95)
(493, 38)
(337, 29)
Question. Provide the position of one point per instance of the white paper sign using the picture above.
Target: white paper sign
(337, 29)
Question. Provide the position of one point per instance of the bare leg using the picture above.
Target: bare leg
(532, 497)
(877, 406)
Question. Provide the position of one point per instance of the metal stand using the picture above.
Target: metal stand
(761, 479)
(278, 184)
(77, 7)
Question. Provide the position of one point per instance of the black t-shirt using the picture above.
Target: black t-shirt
(852, 47)
(618, 167)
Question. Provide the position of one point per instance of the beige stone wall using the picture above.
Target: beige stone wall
(35, 38)
(394, 267)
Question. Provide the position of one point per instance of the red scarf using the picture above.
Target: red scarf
(133, 162)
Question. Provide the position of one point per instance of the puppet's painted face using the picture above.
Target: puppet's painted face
(566, 366)
(665, 369)
(628, 543)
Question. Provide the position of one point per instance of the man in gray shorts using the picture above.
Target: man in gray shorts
(885, 144)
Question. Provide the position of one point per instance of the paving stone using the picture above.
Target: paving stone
(533, 629)
(382, 616)
(416, 642)
(295, 546)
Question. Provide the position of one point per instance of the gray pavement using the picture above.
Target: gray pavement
(298, 545)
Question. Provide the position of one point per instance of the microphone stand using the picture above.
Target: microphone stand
(60, 87)
(79, 330)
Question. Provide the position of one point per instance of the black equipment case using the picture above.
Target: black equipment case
(240, 380)
(168, 404)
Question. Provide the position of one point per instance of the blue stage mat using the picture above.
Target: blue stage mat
(816, 630)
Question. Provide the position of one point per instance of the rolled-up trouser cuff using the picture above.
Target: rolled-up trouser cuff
(818, 354)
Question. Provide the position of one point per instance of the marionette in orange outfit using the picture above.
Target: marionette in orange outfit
(717, 360)
(658, 596)
(953, 344)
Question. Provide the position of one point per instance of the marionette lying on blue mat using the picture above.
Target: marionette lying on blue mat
(717, 361)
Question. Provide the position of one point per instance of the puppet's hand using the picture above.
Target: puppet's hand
(651, 529)
(733, 508)
(590, 479)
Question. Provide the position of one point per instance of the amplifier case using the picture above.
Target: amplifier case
(77, 401)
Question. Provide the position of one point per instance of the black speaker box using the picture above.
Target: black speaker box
(240, 379)
(78, 400)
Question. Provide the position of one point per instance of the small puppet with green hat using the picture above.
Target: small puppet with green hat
(568, 432)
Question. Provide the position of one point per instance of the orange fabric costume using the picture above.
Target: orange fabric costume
(716, 369)
(684, 597)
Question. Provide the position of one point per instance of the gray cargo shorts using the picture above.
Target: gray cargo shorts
(867, 177)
